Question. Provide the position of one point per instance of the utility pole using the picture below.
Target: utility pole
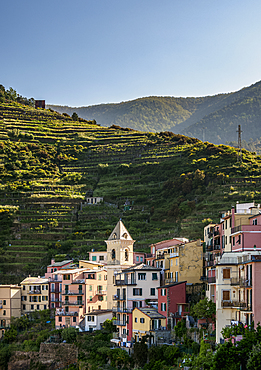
(239, 155)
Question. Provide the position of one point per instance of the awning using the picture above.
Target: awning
(115, 341)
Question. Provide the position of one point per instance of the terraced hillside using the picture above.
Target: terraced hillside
(161, 185)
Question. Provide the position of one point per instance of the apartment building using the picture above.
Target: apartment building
(72, 308)
(172, 302)
(239, 230)
(135, 287)
(237, 290)
(96, 290)
(148, 321)
(10, 305)
(55, 282)
(34, 294)
(185, 263)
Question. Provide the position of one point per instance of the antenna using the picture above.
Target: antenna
(239, 156)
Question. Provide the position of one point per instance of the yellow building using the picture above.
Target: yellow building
(10, 305)
(148, 321)
(185, 263)
(34, 294)
(90, 264)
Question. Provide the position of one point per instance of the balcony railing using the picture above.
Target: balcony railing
(72, 303)
(55, 300)
(241, 282)
(211, 279)
(101, 292)
(216, 247)
(125, 282)
(119, 297)
(35, 291)
(119, 322)
(216, 233)
(70, 292)
(78, 281)
(122, 310)
(55, 290)
(236, 229)
(236, 304)
(63, 313)
(173, 254)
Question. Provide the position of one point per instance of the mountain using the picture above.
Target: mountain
(214, 118)
(162, 185)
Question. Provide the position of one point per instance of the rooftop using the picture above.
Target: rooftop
(151, 312)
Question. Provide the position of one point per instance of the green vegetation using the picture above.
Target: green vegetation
(213, 118)
(162, 185)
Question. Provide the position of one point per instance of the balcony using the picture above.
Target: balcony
(216, 247)
(72, 303)
(78, 281)
(171, 255)
(209, 248)
(216, 233)
(119, 297)
(241, 282)
(211, 279)
(35, 291)
(122, 310)
(55, 290)
(119, 322)
(70, 292)
(101, 292)
(125, 282)
(55, 300)
(63, 313)
(236, 304)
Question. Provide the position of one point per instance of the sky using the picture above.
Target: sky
(87, 52)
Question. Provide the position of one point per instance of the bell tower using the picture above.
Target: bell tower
(120, 246)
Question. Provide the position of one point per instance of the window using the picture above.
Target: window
(141, 259)
(90, 288)
(60, 319)
(226, 273)
(105, 277)
(113, 252)
(51, 270)
(126, 255)
(101, 258)
(152, 291)
(74, 319)
(90, 298)
(176, 262)
(136, 320)
(4, 302)
(226, 295)
(137, 258)
(154, 276)
(142, 320)
(38, 307)
(233, 240)
(4, 312)
(141, 276)
(89, 318)
(137, 291)
(239, 239)
(163, 292)
(163, 306)
(32, 306)
(99, 277)
(24, 307)
(176, 276)
(124, 331)
(93, 258)
(45, 307)
(23, 287)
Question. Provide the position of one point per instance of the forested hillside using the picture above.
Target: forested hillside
(161, 185)
(212, 118)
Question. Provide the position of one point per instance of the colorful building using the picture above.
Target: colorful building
(34, 294)
(10, 305)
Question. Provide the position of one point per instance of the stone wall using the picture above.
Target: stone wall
(52, 355)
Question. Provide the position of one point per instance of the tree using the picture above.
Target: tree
(75, 116)
(69, 334)
(204, 309)
(140, 352)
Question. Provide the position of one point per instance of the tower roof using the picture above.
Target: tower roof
(120, 232)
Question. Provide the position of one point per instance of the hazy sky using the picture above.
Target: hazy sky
(85, 52)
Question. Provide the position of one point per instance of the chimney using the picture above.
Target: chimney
(52, 261)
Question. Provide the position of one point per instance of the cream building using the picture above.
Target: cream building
(34, 294)
(119, 257)
(10, 305)
(96, 290)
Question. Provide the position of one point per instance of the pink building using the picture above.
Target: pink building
(55, 280)
(72, 309)
(138, 257)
